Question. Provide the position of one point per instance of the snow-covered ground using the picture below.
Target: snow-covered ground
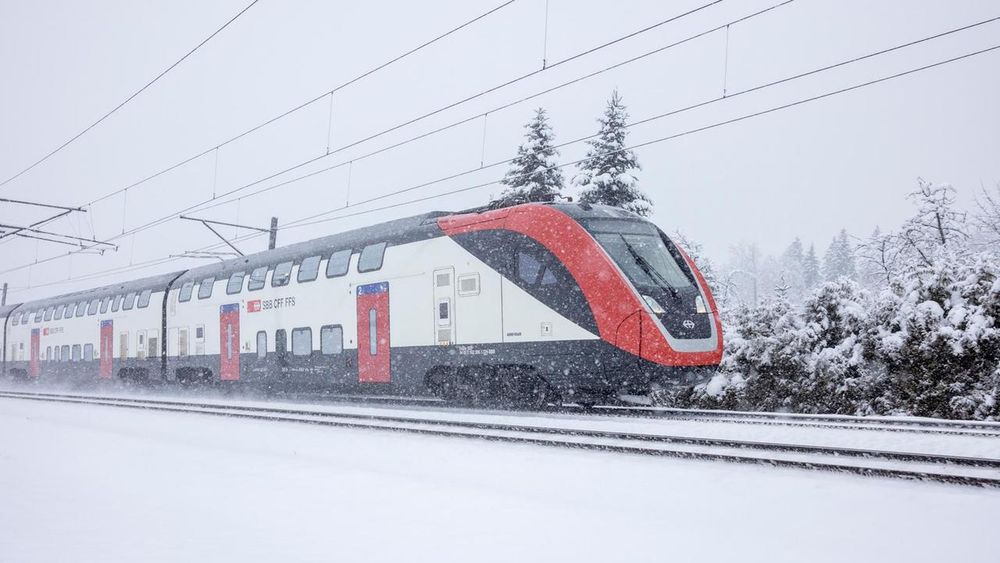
(89, 483)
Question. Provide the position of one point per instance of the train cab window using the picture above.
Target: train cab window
(302, 341)
(281, 275)
(205, 288)
(76, 352)
(88, 352)
(308, 269)
(533, 271)
(104, 304)
(338, 263)
(235, 284)
(185, 292)
(257, 279)
(331, 339)
(129, 301)
(64, 353)
(262, 344)
(116, 303)
(92, 308)
(144, 298)
(49, 312)
(371, 257)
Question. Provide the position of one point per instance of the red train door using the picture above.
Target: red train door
(373, 333)
(229, 342)
(36, 346)
(107, 348)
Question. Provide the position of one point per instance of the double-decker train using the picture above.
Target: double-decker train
(532, 303)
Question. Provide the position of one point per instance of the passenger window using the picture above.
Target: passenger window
(144, 298)
(81, 308)
(104, 305)
(64, 353)
(92, 309)
(48, 313)
(205, 288)
(57, 316)
(48, 353)
(16, 319)
(235, 284)
(129, 301)
(257, 279)
(338, 264)
(76, 352)
(262, 344)
(185, 293)
(282, 272)
(308, 269)
(302, 341)
(371, 257)
(280, 341)
(331, 339)
(116, 304)
(88, 352)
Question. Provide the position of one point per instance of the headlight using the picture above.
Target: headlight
(653, 305)
(699, 305)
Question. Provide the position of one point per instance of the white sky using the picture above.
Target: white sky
(846, 161)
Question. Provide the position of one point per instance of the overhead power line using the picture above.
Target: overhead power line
(130, 98)
(313, 219)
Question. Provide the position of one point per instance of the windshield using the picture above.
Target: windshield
(645, 259)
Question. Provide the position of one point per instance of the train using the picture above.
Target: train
(530, 304)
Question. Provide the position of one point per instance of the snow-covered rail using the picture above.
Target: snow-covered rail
(955, 469)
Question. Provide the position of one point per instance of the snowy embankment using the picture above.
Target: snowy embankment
(88, 483)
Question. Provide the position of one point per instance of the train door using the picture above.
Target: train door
(444, 306)
(373, 333)
(35, 350)
(107, 348)
(229, 342)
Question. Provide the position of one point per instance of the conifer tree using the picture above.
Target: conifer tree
(607, 176)
(533, 175)
(810, 268)
(838, 262)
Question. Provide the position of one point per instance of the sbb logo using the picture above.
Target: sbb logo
(253, 306)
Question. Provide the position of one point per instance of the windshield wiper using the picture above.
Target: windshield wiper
(650, 271)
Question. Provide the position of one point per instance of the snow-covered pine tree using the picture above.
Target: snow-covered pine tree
(810, 268)
(792, 273)
(533, 175)
(838, 262)
(607, 176)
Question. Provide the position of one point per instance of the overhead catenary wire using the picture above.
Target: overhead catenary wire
(129, 98)
(313, 219)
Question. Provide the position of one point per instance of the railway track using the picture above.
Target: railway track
(961, 470)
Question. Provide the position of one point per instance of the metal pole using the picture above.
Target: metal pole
(3, 297)
(273, 238)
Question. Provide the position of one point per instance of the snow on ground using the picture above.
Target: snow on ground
(90, 483)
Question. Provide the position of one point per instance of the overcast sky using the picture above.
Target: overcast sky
(845, 161)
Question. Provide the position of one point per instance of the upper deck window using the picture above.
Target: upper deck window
(205, 288)
(59, 312)
(104, 304)
(338, 264)
(257, 278)
(144, 298)
(48, 313)
(94, 305)
(371, 257)
(235, 284)
(281, 275)
(116, 304)
(185, 292)
(81, 309)
(308, 269)
(129, 301)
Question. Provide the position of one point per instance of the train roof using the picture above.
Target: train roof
(6, 309)
(155, 283)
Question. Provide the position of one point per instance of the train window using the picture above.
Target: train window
(308, 269)
(262, 344)
(104, 304)
(280, 341)
(185, 292)
(153, 344)
(468, 284)
(532, 270)
(129, 301)
(282, 272)
(235, 284)
(48, 313)
(116, 303)
(88, 352)
(48, 353)
(55, 351)
(57, 315)
(371, 257)
(331, 339)
(81, 309)
(38, 315)
(144, 298)
(338, 263)
(182, 342)
(76, 352)
(257, 279)
(64, 353)
(302, 341)
(15, 319)
(199, 332)
(372, 332)
(205, 288)
(92, 308)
